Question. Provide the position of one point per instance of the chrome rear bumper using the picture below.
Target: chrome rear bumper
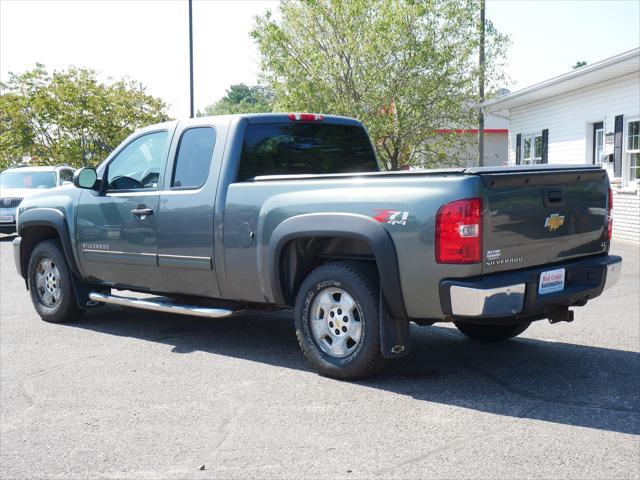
(613, 274)
(490, 302)
(515, 294)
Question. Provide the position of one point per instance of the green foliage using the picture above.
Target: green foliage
(579, 63)
(404, 67)
(241, 98)
(69, 116)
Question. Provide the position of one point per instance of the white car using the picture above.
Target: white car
(20, 182)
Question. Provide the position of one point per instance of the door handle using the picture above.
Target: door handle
(553, 197)
(142, 211)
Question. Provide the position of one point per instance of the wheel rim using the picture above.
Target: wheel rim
(336, 322)
(48, 288)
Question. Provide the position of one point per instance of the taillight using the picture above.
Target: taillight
(306, 117)
(609, 216)
(459, 232)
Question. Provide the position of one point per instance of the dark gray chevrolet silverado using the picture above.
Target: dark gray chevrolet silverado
(214, 216)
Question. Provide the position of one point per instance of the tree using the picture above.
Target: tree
(405, 68)
(69, 116)
(241, 98)
(579, 63)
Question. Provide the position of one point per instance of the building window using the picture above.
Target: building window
(633, 151)
(531, 149)
(598, 143)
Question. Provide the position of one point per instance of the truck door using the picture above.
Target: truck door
(186, 216)
(117, 228)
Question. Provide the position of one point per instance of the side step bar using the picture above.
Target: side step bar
(159, 304)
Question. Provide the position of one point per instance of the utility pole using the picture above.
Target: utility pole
(481, 82)
(191, 57)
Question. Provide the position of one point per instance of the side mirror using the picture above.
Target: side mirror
(85, 178)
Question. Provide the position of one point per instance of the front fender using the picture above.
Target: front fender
(52, 218)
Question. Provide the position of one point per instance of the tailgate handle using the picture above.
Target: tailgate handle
(552, 197)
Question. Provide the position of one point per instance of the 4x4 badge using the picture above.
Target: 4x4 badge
(554, 222)
(391, 217)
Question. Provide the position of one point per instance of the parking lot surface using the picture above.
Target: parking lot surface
(132, 394)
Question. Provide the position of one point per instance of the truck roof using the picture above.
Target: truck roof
(279, 116)
(262, 118)
(41, 168)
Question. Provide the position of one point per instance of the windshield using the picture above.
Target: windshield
(27, 179)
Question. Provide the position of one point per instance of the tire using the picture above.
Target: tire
(491, 333)
(50, 284)
(337, 320)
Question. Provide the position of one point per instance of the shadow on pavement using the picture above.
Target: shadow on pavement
(7, 238)
(556, 382)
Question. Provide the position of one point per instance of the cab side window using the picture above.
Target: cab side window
(66, 175)
(138, 164)
(193, 159)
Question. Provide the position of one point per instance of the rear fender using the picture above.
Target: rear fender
(394, 328)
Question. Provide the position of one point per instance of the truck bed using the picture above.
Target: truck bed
(429, 172)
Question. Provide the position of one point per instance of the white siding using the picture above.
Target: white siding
(465, 151)
(569, 116)
(626, 216)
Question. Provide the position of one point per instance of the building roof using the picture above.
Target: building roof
(613, 67)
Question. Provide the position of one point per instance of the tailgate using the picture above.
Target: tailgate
(540, 217)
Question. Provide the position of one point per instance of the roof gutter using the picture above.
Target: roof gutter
(579, 72)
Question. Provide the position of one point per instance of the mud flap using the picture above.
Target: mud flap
(81, 291)
(395, 334)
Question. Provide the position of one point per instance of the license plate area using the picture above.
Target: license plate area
(551, 281)
(6, 218)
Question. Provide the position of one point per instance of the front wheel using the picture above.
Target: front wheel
(50, 284)
(337, 320)
(491, 333)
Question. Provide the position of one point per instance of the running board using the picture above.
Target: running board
(159, 304)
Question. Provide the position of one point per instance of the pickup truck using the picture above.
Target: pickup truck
(214, 216)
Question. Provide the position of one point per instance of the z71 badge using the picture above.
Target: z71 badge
(391, 217)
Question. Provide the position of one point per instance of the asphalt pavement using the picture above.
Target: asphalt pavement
(131, 394)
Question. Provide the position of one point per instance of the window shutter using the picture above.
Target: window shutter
(545, 145)
(617, 146)
(518, 149)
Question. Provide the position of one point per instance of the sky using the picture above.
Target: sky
(147, 40)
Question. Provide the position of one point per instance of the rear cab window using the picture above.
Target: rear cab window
(193, 159)
(305, 148)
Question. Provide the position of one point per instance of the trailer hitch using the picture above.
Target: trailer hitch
(562, 314)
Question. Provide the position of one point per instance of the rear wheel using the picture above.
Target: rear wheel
(338, 321)
(491, 333)
(50, 284)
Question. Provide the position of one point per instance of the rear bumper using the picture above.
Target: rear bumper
(515, 294)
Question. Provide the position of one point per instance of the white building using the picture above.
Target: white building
(496, 138)
(590, 115)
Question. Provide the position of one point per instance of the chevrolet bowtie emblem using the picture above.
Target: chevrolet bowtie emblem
(554, 222)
